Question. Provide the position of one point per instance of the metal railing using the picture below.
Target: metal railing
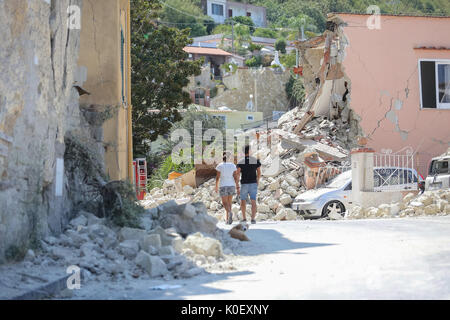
(394, 172)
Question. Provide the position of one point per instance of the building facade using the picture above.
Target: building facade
(104, 64)
(400, 82)
(220, 10)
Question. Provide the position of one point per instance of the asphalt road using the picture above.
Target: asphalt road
(353, 259)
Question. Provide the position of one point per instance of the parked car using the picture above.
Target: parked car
(336, 196)
(438, 174)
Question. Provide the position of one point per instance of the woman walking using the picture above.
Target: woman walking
(228, 181)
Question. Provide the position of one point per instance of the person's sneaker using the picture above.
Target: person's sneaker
(230, 219)
(253, 221)
(244, 220)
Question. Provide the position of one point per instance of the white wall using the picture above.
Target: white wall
(257, 13)
(217, 18)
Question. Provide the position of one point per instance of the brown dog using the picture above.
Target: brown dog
(238, 232)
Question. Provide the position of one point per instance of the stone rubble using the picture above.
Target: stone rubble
(429, 203)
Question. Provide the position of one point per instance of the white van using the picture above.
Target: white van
(439, 173)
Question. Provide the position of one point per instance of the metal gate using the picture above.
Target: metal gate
(394, 172)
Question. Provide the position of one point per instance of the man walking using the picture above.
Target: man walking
(250, 170)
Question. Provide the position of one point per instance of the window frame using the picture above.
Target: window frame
(250, 116)
(217, 5)
(438, 105)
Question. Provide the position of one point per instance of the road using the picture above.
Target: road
(353, 259)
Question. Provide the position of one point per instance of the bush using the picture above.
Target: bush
(253, 62)
(265, 33)
(280, 45)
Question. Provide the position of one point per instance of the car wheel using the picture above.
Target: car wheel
(333, 206)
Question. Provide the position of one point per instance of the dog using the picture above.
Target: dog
(238, 232)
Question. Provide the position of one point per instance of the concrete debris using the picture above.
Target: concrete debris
(203, 245)
(412, 205)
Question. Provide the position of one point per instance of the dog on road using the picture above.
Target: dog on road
(238, 232)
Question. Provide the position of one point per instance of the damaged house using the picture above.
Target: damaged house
(388, 82)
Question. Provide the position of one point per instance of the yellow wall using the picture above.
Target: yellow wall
(234, 119)
(100, 54)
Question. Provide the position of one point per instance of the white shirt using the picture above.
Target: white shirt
(226, 170)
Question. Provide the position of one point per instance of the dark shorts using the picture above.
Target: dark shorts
(227, 191)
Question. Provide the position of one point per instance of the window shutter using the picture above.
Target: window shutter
(428, 82)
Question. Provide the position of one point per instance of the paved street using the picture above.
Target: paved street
(353, 259)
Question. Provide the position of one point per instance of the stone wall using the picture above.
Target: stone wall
(38, 108)
(269, 90)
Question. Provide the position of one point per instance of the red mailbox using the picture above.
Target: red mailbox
(140, 177)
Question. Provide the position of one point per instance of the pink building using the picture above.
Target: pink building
(399, 70)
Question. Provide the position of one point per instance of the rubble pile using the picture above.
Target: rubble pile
(104, 251)
(428, 203)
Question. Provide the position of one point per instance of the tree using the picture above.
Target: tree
(280, 45)
(302, 23)
(242, 20)
(160, 71)
(265, 33)
(185, 14)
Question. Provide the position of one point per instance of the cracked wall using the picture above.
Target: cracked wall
(38, 106)
(383, 68)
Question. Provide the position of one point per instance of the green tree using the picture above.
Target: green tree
(302, 23)
(280, 45)
(265, 33)
(185, 14)
(160, 71)
(243, 20)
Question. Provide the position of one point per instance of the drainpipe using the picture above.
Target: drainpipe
(130, 107)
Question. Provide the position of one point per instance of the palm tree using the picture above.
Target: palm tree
(302, 23)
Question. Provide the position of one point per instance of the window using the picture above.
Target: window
(230, 13)
(434, 84)
(250, 118)
(249, 14)
(217, 9)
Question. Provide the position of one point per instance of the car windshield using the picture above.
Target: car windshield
(439, 166)
(340, 180)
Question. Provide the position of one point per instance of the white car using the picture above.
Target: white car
(439, 173)
(335, 197)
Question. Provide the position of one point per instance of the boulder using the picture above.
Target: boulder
(166, 251)
(292, 191)
(286, 214)
(79, 221)
(188, 190)
(263, 208)
(284, 185)
(189, 210)
(185, 225)
(203, 245)
(91, 218)
(273, 204)
(431, 209)
(285, 199)
(100, 231)
(292, 180)
(408, 197)
(166, 240)
(131, 234)
(150, 241)
(214, 206)
(274, 185)
(129, 248)
(261, 217)
(153, 265)
(426, 199)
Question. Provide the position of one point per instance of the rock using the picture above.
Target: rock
(235, 208)
(92, 219)
(166, 251)
(51, 240)
(292, 191)
(188, 190)
(203, 245)
(408, 197)
(284, 185)
(200, 260)
(426, 199)
(100, 231)
(263, 208)
(154, 266)
(166, 240)
(76, 238)
(131, 234)
(192, 272)
(335, 216)
(273, 204)
(274, 185)
(177, 244)
(447, 209)
(407, 212)
(431, 209)
(292, 180)
(261, 217)
(285, 199)
(30, 255)
(384, 210)
(150, 241)
(190, 211)
(79, 221)
(129, 248)
(214, 206)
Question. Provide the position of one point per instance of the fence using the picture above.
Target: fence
(394, 172)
